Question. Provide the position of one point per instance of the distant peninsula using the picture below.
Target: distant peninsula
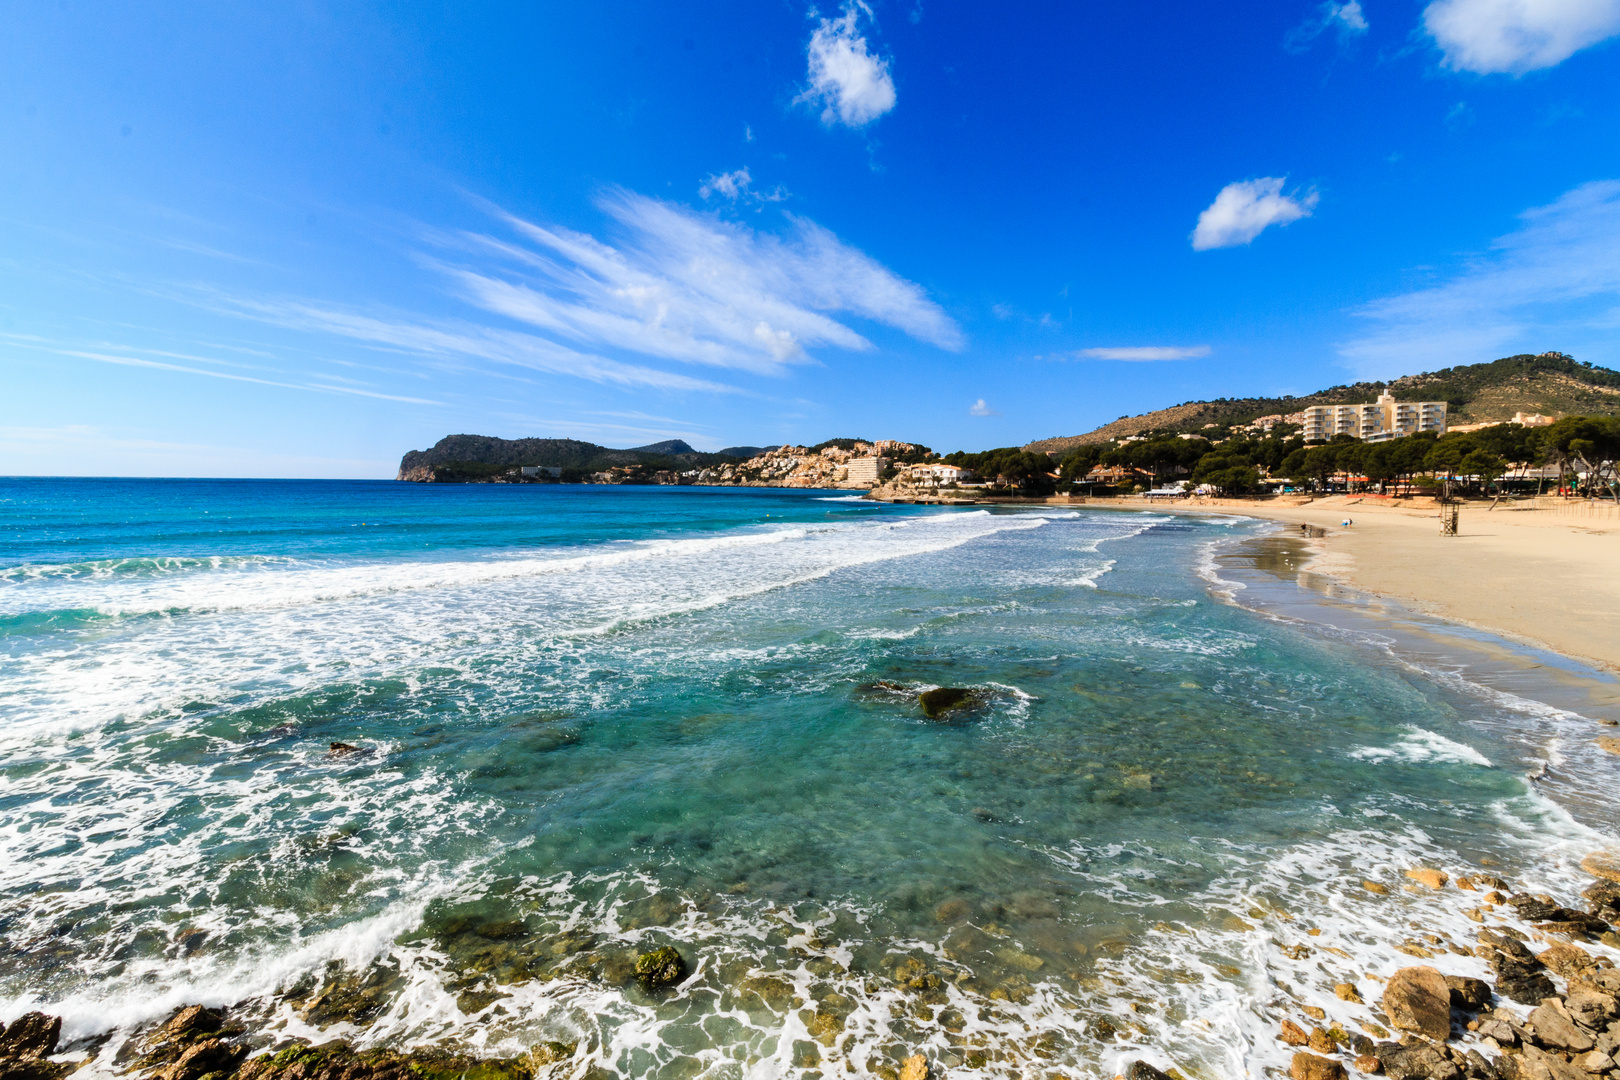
(474, 459)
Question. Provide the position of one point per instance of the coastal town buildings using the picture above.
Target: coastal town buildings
(1384, 419)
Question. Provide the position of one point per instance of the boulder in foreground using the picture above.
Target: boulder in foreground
(1417, 999)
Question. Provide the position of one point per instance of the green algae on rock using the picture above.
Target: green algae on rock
(661, 968)
(944, 700)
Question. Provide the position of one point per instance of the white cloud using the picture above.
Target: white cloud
(1242, 210)
(1146, 353)
(731, 184)
(1554, 283)
(1347, 18)
(687, 287)
(736, 186)
(851, 83)
(979, 408)
(1515, 36)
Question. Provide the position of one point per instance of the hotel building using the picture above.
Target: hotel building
(1384, 419)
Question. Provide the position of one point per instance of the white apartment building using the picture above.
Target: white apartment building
(866, 470)
(937, 475)
(1384, 419)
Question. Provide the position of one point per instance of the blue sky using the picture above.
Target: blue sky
(300, 239)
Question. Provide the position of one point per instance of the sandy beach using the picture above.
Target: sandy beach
(1548, 576)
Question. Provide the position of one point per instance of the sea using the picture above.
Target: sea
(432, 765)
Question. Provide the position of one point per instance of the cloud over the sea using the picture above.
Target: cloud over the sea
(1553, 283)
(667, 285)
(1242, 210)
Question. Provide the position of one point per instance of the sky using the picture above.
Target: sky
(300, 239)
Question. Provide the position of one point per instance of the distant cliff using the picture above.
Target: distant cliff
(472, 458)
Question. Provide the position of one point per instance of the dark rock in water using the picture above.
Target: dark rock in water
(1141, 1070)
(1468, 995)
(1526, 989)
(343, 750)
(1519, 975)
(502, 931)
(192, 1020)
(1603, 900)
(1555, 919)
(32, 1035)
(944, 700)
(661, 968)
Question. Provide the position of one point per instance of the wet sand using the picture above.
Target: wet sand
(1543, 577)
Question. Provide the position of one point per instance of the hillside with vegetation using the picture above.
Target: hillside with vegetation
(1552, 384)
(472, 458)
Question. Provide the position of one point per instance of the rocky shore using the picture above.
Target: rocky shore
(1550, 1010)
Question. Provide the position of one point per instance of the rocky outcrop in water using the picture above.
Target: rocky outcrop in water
(25, 1046)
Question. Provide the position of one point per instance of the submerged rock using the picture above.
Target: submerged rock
(343, 750)
(661, 968)
(944, 700)
(915, 1068)
(1424, 875)
(1417, 999)
(1141, 1070)
(1603, 864)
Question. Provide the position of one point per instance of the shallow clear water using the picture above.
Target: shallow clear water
(591, 720)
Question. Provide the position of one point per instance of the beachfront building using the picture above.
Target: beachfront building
(936, 475)
(865, 470)
(1384, 419)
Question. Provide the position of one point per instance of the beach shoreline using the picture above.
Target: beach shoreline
(1536, 577)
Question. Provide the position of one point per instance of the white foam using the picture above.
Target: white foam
(1420, 745)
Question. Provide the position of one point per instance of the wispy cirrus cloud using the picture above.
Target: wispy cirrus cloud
(1516, 36)
(125, 356)
(455, 342)
(1145, 353)
(849, 81)
(668, 284)
(1553, 283)
(685, 286)
(1347, 20)
(1243, 210)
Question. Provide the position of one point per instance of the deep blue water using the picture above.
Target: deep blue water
(588, 720)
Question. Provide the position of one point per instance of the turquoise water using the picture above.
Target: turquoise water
(591, 720)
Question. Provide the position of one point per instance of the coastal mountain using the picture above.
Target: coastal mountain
(1552, 384)
(471, 457)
